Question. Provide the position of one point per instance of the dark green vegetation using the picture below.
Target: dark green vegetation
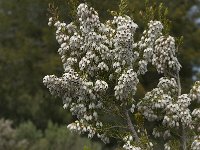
(26, 136)
(28, 53)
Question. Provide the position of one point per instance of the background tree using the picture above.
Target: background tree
(27, 136)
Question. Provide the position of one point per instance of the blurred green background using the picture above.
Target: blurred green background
(30, 118)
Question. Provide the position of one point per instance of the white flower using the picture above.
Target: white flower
(167, 147)
(127, 83)
(196, 143)
(164, 54)
(100, 85)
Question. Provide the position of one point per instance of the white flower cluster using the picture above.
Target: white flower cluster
(156, 133)
(159, 133)
(196, 116)
(179, 111)
(163, 98)
(86, 44)
(80, 127)
(68, 83)
(167, 146)
(75, 93)
(132, 109)
(164, 55)
(166, 134)
(149, 37)
(169, 86)
(103, 66)
(171, 118)
(88, 18)
(100, 86)
(142, 67)
(184, 101)
(147, 42)
(88, 63)
(66, 102)
(195, 94)
(159, 50)
(50, 21)
(196, 113)
(87, 49)
(95, 41)
(152, 102)
(67, 43)
(195, 91)
(128, 145)
(184, 112)
(124, 43)
(157, 99)
(126, 86)
(103, 137)
(196, 143)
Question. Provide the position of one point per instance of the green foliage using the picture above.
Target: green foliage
(157, 11)
(28, 137)
(123, 7)
(25, 44)
(6, 134)
(73, 6)
(29, 132)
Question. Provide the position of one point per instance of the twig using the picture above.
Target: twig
(130, 126)
(183, 129)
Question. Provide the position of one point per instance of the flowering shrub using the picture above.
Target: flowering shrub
(102, 64)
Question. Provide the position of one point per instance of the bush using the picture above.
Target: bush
(27, 137)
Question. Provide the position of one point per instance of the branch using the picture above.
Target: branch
(108, 128)
(179, 83)
(183, 129)
(130, 126)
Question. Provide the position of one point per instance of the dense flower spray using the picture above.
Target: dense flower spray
(102, 63)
